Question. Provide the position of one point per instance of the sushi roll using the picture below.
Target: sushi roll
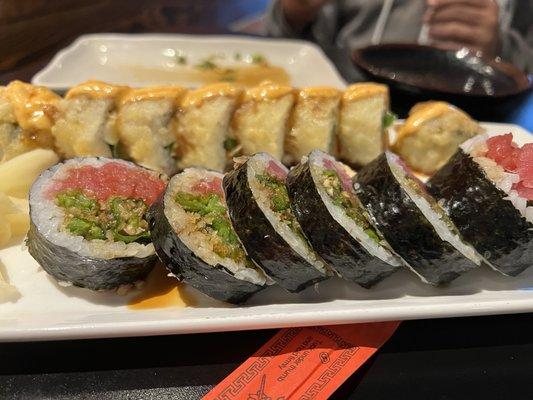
(337, 225)
(146, 126)
(412, 222)
(193, 236)
(86, 125)
(364, 112)
(260, 211)
(261, 122)
(432, 134)
(88, 224)
(27, 114)
(486, 189)
(314, 123)
(203, 126)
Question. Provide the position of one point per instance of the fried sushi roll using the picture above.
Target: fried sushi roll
(261, 122)
(146, 126)
(203, 126)
(336, 223)
(364, 109)
(193, 236)
(27, 114)
(88, 224)
(314, 123)
(86, 125)
(412, 222)
(432, 134)
(486, 189)
(260, 211)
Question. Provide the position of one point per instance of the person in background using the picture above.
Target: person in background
(497, 28)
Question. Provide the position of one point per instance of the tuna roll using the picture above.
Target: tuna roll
(27, 114)
(203, 126)
(412, 222)
(88, 225)
(193, 236)
(260, 211)
(261, 122)
(146, 126)
(486, 189)
(86, 125)
(314, 123)
(364, 114)
(337, 225)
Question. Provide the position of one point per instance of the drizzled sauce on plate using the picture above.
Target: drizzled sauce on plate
(161, 291)
(246, 75)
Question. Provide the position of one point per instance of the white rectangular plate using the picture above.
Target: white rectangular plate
(48, 311)
(124, 59)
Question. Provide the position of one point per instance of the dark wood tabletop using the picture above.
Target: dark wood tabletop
(457, 358)
(32, 31)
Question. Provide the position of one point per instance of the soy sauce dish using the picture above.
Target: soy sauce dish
(418, 68)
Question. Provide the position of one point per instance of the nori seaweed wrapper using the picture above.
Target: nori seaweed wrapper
(405, 227)
(493, 226)
(261, 241)
(91, 273)
(213, 280)
(331, 241)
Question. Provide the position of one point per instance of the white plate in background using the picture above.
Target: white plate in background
(48, 311)
(125, 58)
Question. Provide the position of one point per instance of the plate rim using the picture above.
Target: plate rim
(92, 330)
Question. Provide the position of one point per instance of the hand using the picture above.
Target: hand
(464, 23)
(300, 13)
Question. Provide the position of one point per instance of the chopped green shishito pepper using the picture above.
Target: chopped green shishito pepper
(117, 218)
(341, 198)
(129, 239)
(372, 234)
(388, 119)
(330, 173)
(228, 75)
(258, 58)
(224, 230)
(210, 207)
(280, 203)
(279, 200)
(201, 204)
(207, 64)
(78, 201)
(230, 143)
(181, 60)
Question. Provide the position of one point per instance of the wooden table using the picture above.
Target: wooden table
(32, 31)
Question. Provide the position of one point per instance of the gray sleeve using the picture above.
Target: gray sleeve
(277, 25)
(517, 39)
(321, 31)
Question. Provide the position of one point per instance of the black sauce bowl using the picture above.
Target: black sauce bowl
(483, 87)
